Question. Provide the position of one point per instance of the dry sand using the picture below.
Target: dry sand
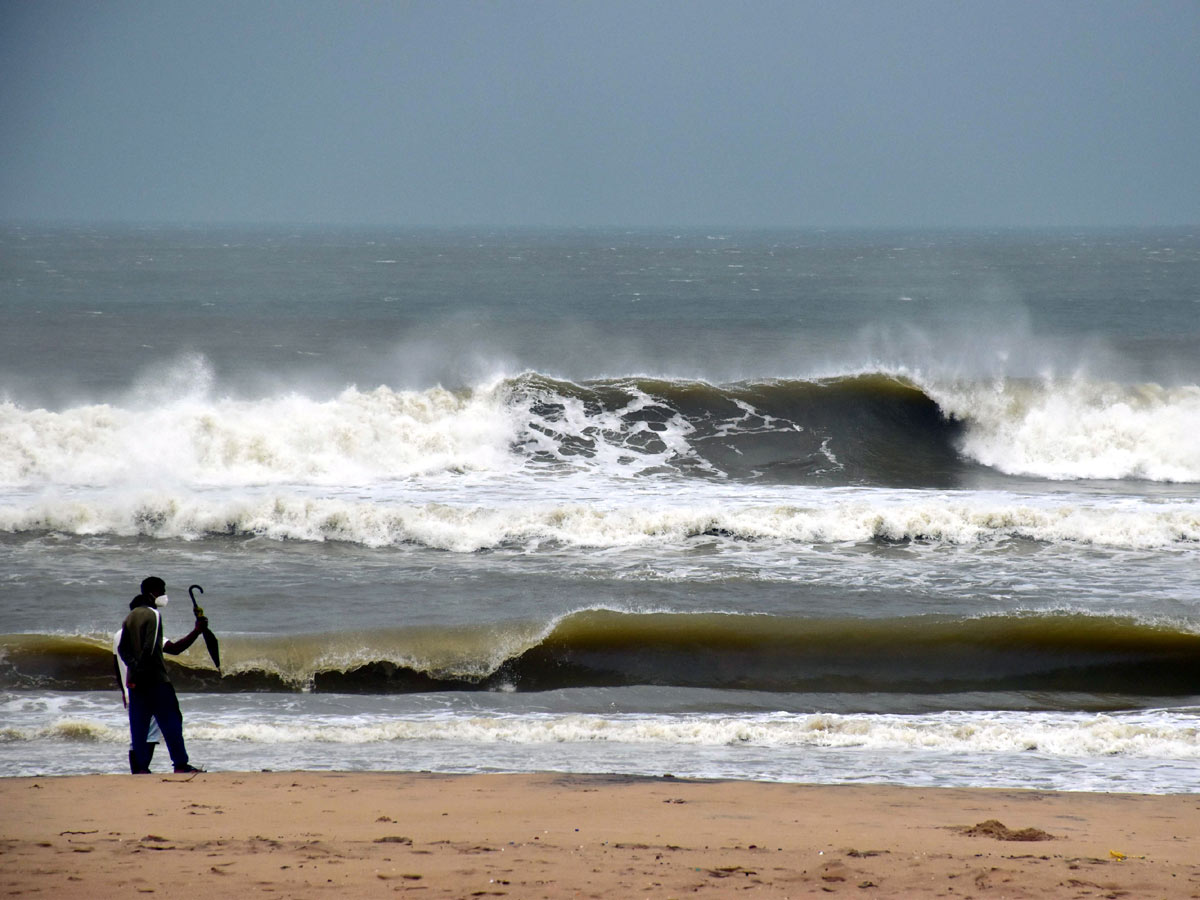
(300, 835)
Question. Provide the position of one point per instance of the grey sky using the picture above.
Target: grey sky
(601, 113)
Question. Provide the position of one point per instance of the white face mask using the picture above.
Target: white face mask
(161, 601)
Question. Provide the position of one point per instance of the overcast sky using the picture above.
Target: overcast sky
(575, 112)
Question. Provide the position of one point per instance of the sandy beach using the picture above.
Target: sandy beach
(370, 835)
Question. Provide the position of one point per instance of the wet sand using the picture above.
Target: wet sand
(301, 835)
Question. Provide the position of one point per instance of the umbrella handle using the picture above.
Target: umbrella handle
(192, 593)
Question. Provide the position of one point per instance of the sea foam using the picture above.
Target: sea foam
(354, 437)
(962, 519)
(1141, 735)
(1078, 429)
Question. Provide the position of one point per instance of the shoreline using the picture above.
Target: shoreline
(310, 834)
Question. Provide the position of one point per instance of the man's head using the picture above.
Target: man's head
(154, 586)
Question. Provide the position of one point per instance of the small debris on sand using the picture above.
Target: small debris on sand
(994, 828)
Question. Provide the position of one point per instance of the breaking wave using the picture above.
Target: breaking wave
(866, 429)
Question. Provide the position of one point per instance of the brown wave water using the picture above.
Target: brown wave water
(594, 648)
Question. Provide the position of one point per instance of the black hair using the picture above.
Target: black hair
(154, 584)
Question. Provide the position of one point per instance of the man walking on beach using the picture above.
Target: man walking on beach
(151, 694)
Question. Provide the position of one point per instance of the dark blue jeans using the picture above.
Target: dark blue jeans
(157, 701)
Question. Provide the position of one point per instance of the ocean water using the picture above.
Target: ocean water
(903, 507)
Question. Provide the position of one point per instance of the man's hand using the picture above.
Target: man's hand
(201, 623)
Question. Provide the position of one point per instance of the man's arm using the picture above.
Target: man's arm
(177, 647)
